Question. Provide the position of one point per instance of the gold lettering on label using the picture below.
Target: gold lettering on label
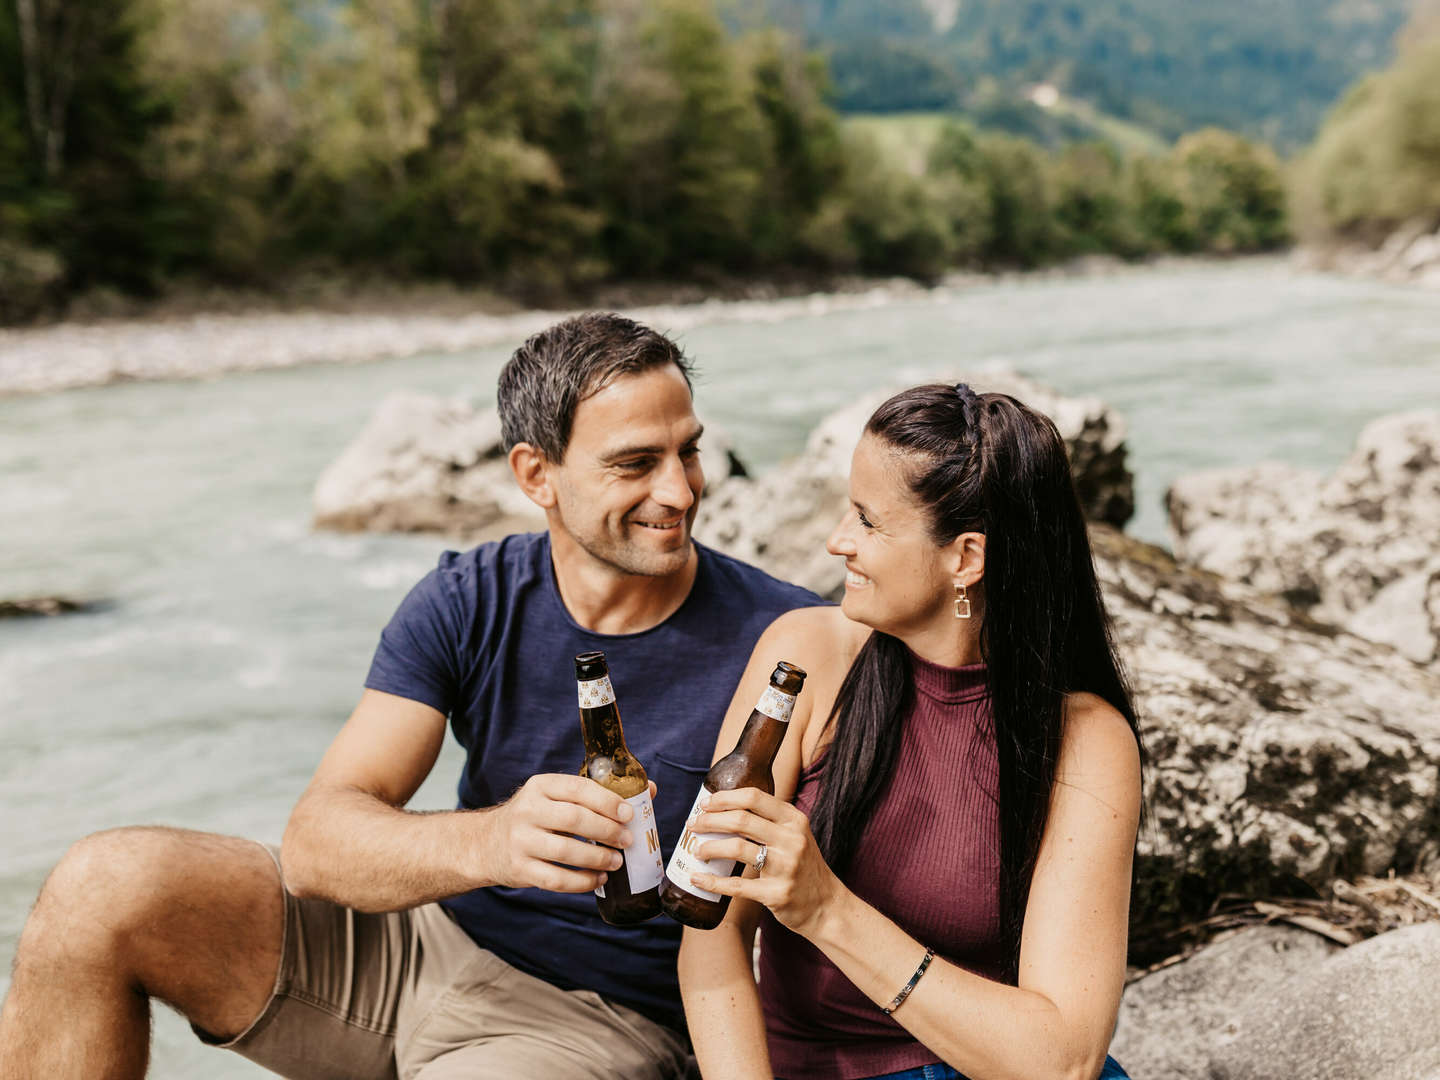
(652, 840)
(687, 842)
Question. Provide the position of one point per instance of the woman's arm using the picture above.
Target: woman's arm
(1057, 1023)
(717, 974)
(722, 1007)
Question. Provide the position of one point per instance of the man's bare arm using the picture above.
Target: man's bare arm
(349, 840)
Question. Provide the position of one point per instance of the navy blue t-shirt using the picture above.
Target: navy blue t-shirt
(486, 639)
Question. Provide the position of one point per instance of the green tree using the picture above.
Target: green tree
(883, 219)
(960, 187)
(1022, 220)
(1376, 163)
(806, 156)
(74, 129)
(684, 149)
(1234, 192)
(1089, 206)
(1155, 201)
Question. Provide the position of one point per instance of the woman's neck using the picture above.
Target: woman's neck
(953, 645)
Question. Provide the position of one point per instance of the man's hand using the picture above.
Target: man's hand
(533, 838)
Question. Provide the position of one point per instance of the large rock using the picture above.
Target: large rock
(427, 464)
(423, 464)
(1277, 1003)
(782, 518)
(1172, 1020)
(1278, 747)
(1357, 548)
(1368, 1011)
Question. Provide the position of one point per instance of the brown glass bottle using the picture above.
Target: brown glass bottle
(748, 765)
(630, 894)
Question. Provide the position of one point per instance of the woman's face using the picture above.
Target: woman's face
(895, 579)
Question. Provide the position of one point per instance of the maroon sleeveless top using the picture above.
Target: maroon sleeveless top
(929, 859)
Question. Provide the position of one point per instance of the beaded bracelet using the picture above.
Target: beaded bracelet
(905, 992)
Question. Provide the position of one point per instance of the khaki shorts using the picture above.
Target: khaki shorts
(409, 995)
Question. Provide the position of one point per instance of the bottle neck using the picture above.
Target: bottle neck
(602, 732)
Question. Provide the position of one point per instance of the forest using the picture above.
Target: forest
(543, 147)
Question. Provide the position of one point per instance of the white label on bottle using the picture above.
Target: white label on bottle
(600, 891)
(776, 704)
(642, 857)
(597, 692)
(683, 861)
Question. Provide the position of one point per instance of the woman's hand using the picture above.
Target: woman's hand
(795, 884)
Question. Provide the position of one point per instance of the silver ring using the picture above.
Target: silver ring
(760, 859)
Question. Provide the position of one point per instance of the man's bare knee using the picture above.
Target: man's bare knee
(194, 919)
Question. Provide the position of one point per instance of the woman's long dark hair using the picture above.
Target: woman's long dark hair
(984, 463)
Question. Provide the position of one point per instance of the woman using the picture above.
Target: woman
(952, 883)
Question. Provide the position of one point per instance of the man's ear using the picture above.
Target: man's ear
(965, 556)
(532, 473)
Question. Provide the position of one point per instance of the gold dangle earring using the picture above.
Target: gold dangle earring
(961, 597)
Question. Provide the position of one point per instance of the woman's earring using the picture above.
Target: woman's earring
(961, 598)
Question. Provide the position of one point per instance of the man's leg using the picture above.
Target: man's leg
(471, 1016)
(190, 918)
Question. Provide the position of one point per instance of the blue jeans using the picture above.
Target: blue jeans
(1111, 1071)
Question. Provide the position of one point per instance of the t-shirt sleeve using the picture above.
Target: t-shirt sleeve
(419, 650)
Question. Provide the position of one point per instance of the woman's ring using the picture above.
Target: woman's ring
(760, 859)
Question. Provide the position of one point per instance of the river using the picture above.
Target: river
(233, 639)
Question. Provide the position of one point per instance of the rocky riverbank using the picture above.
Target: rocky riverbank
(206, 344)
(1409, 256)
(71, 355)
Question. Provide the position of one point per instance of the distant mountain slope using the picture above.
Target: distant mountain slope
(1270, 68)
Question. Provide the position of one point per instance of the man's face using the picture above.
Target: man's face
(630, 483)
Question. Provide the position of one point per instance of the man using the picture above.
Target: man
(352, 969)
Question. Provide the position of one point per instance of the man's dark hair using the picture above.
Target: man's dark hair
(548, 377)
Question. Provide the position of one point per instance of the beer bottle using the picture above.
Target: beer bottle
(632, 893)
(748, 765)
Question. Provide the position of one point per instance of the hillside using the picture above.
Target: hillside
(1268, 69)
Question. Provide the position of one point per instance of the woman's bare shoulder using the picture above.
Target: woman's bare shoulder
(1097, 738)
(821, 635)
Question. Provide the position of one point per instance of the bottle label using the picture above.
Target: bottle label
(776, 704)
(642, 857)
(597, 692)
(683, 861)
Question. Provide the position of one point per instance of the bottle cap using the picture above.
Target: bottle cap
(590, 666)
(788, 677)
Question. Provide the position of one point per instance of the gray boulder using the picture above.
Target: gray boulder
(427, 464)
(1278, 747)
(423, 464)
(1172, 1020)
(782, 518)
(1278, 1003)
(1369, 1011)
(1357, 548)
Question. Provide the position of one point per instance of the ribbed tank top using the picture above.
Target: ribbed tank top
(929, 859)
